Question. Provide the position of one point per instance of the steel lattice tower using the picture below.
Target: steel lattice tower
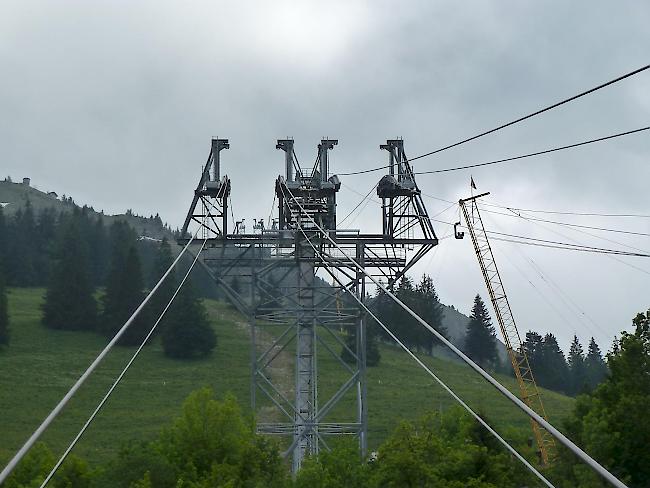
(275, 278)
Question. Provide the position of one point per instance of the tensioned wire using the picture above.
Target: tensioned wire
(505, 443)
(63, 402)
(520, 119)
(121, 375)
(609, 477)
(512, 158)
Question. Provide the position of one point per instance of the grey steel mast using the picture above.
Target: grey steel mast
(275, 278)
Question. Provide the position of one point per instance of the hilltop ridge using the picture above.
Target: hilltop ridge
(14, 196)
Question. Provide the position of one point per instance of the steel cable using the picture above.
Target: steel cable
(609, 477)
(121, 375)
(63, 402)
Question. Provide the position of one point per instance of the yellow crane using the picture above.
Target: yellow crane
(514, 346)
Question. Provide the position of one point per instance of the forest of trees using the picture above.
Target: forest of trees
(421, 298)
(95, 279)
(578, 373)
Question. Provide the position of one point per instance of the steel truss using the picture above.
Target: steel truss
(514, 346)
(275, 278)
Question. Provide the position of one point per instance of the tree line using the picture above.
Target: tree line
(94, 279)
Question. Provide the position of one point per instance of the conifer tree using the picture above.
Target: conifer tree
(124, 287)
(160, 299)
(373, 355)
(22, 248)
(100, 256)
(188, 332)
(4, 239)
(595, 367)
(428, 308)
(554, 370)
(480, 340)
(533, 347)
(45, 238)
(69, 301)
(403, 324)
(130, 297)
(386, 310)
(576, 361)
(4, 313)
(120, 241)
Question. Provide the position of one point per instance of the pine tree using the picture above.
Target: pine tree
(480, 340)
(428, 307)
(124, 287)
(554, 370)
(4, 240)
(132, 295)
(188, 333)
(45, 241)
(22, 248)
(373, 355)
(4, 313)
(533, 347)
(576, 361)
(595, 367)
(160, 299)
(386, 310)
(100, 256)
(402, 323)
(121, 240)
(69, 301)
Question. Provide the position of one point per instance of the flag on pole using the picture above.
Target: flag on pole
(471, 182)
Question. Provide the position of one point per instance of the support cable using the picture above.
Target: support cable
(609, 477)
(520, 119)
(509, 159)
(514, 213)
(572, 247)
(121, 375)
(505, 443)
(555, 289)
(532, 241)
(611, 256)
(358, 204)
(580, 214)
(611, 241)
(538, 112)
(59, 407)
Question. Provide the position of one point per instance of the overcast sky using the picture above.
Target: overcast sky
(115, 103)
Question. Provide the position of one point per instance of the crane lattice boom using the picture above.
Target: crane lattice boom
(523, 372)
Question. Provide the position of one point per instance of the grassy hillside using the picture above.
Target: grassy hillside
(41, 364)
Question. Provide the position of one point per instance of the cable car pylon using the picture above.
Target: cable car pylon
(514, 345)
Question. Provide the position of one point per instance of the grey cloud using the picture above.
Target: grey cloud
(114, 103)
